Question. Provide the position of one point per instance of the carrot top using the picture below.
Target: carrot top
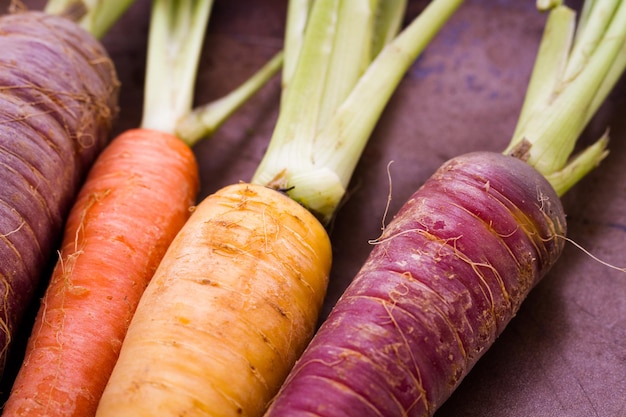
(343, 60)
(575, 69)
(177, 32)
(175, 39)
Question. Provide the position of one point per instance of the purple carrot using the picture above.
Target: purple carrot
(455, 263)
(444, 279)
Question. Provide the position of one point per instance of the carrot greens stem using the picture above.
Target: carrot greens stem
(177, 31)
(342, 79)
(95, 16)
(203, 120)
(575, 69)
(356, 118)
(388, 21)
(297, 17)
(550, 61)
(579, 165)
(176, 36)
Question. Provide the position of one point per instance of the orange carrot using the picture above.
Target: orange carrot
(135, 199)
(244, 282)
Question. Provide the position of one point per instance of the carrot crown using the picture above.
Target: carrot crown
(576, 68)
(343, 61)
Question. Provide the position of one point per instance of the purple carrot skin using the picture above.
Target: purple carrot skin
(454, 265)
(446, 276)
(58, 95)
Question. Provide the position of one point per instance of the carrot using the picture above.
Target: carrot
(134, 201)
(238, 294)
(458, 259)
(58, 93)
(255, 292)
(447, 275)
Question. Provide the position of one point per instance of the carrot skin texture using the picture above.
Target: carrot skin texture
(229, 310)
(58, 95)
(134, 201)
(446, 276)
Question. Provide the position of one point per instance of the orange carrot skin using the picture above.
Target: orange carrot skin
(229, 310)
(135, 199)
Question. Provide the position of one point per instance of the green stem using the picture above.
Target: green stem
(297, 17)
(177, 31)
(322, 129)
(203, 120)
(574, 72)
(579, 166)
(551, 59)
(95, 16)
(302, 100)
(388, 23)
(358, 115)
(348, 59)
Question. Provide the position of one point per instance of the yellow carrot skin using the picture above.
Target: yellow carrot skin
(244, 282)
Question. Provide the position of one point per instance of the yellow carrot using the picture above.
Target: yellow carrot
(249, 263)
